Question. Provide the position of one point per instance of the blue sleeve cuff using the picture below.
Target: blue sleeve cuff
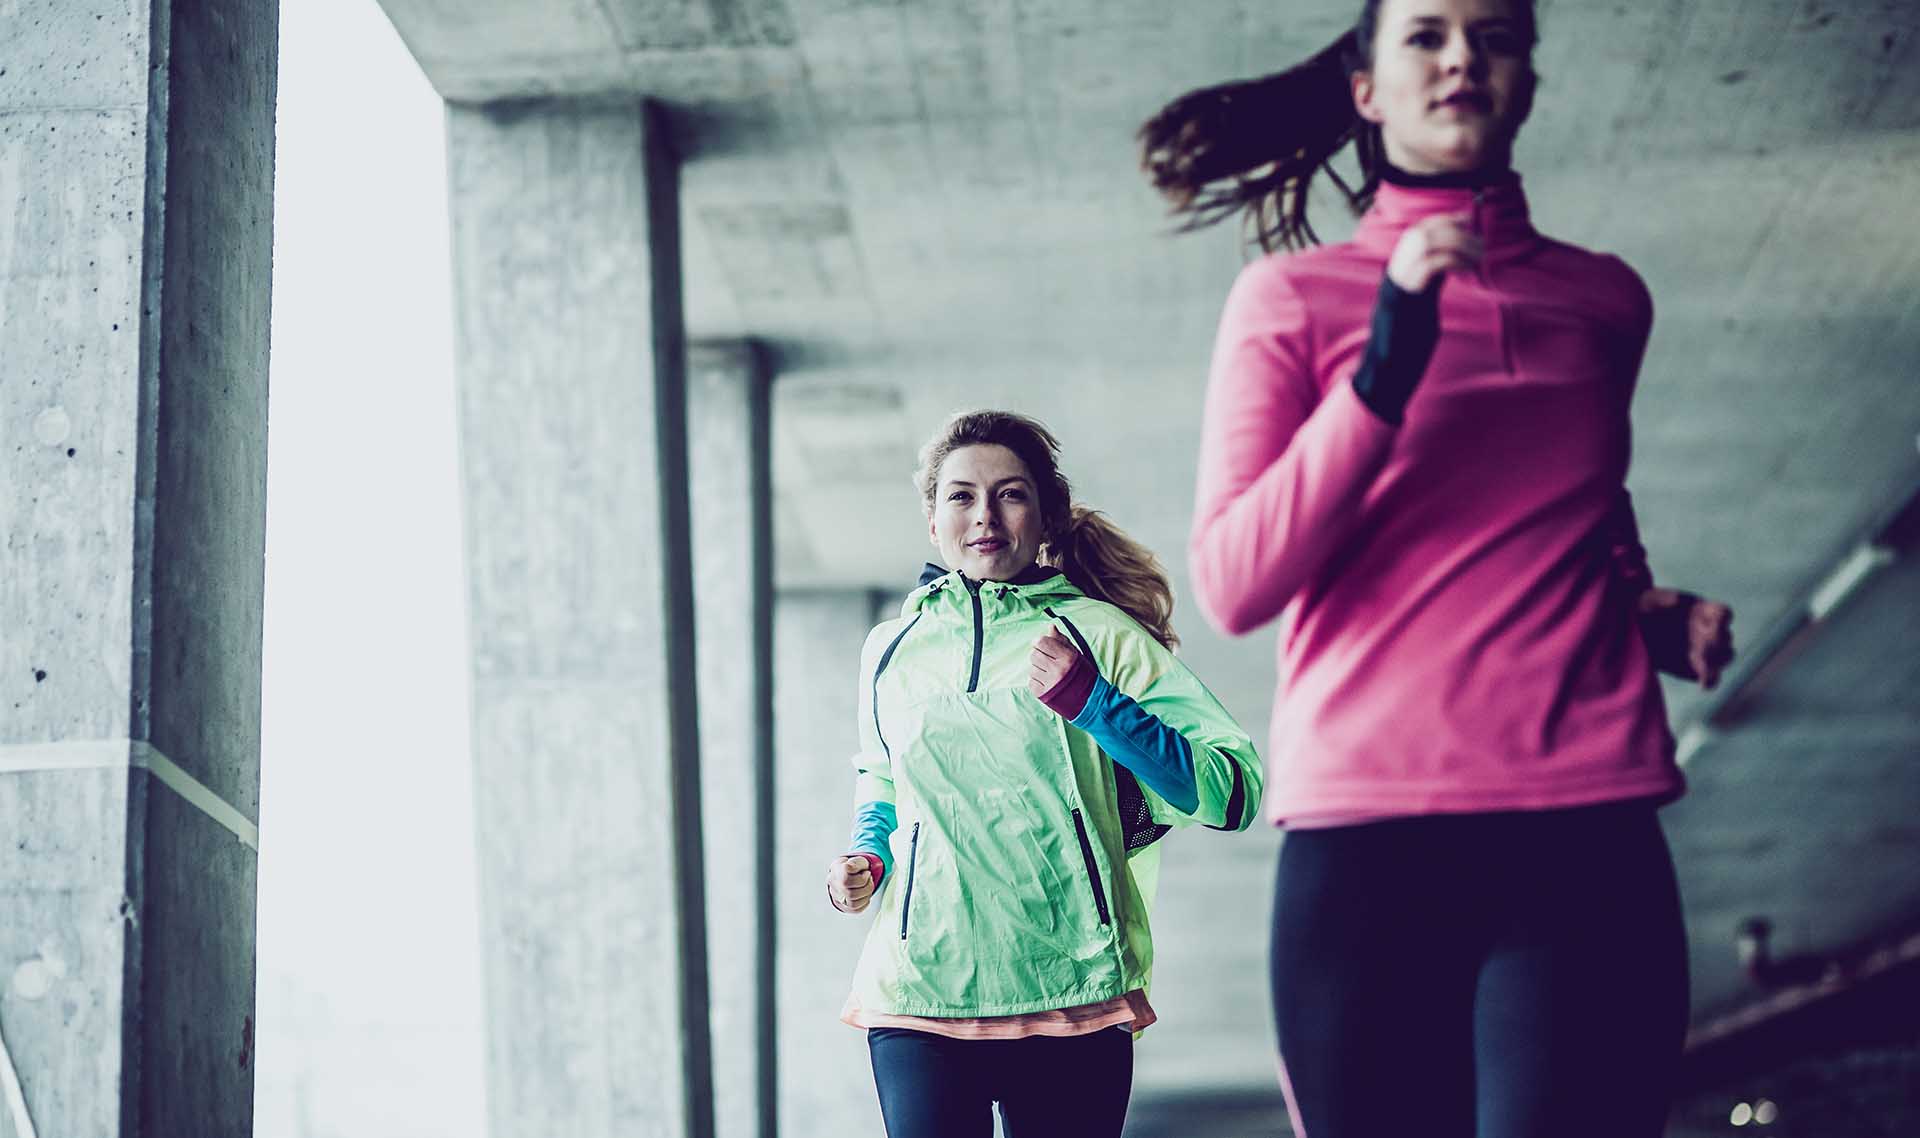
(1138, 740)
(873, 826)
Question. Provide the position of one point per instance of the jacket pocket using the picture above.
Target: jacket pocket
(913, 863)
(1093, 871)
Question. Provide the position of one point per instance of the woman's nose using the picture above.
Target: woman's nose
(1460, 53)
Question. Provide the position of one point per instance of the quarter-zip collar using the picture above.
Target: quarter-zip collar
(1031, 575)
(1498, 211)
(1039, 585)
(1451, 179)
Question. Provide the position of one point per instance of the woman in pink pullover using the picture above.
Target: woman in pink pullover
(1413, 457)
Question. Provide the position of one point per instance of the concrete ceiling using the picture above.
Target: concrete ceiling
(927, 206)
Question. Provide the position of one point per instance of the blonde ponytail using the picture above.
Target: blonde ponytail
(1109, 566)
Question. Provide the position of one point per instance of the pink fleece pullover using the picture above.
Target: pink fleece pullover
(1456, 595)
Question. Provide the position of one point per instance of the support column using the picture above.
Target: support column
(136, 210)
(729, 429)
(826, 1085)
(570, 354)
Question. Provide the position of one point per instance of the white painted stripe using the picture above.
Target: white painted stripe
(1852, 571)
(16, 1098)
(93, 754)
(197, 794)
(1696, 736)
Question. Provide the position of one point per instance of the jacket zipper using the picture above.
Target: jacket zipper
(885, 659)
(979, 635)
(913, 863)
(1120, 772)
(1079, 641)
(1093, 870)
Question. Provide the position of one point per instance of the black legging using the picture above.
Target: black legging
(935, 1087)
(1515, 975)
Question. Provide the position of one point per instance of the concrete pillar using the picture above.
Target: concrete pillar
(826, 1085)
(728, 427)
(570, 358)
(136, 217)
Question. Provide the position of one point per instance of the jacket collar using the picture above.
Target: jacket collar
(1039, 584)
(1031, 575)
(1498, 212)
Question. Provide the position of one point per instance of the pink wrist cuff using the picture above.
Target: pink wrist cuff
(1068, 696)
(874, 866)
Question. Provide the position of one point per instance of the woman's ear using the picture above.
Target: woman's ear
(1361, 83)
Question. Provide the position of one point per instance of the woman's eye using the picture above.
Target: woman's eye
(1500, 43)
(1426, 38)
(957, 496)
(1014, 495)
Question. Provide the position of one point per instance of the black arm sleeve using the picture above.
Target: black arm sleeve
(1406, 325)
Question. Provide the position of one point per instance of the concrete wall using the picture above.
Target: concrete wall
(74, 184)
(136, 177)
(826, 1083)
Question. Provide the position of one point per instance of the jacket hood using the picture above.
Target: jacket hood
(1498, 211)
(1040, 584)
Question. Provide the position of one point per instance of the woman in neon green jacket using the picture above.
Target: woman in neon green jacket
(1027, 735)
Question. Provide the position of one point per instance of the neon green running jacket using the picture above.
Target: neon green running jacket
(1020, 848)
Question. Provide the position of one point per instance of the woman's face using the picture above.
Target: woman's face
(1450, 84)
(986, 513)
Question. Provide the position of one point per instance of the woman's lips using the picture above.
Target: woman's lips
(989, 545)
(1468, 101)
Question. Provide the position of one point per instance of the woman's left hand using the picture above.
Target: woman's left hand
(1689, 636)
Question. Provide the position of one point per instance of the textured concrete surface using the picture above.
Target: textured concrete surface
(74, 185)
(196, 969)
(728, 416)
(826, 1084)
(136, 180)
(71, 283)
(567, 342)
(64, 942)
(197, 598)
(208, 410)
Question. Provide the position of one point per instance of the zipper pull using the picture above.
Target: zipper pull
(1473, 222)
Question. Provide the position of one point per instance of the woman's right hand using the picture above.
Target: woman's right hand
(1431, 248)
(849, 883)
(1406, 317)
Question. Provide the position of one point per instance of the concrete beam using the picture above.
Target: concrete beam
(570, 356)
(728, 413)
(136, 156)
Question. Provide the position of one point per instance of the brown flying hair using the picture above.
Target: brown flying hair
(1252, 146)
